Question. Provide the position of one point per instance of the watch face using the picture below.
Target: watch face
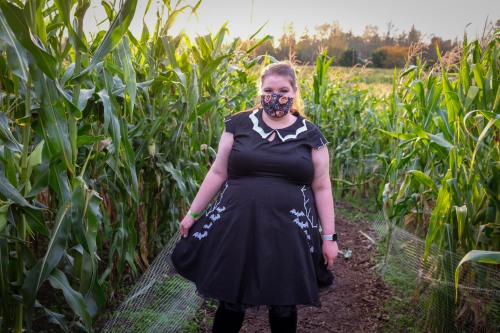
(334, 237)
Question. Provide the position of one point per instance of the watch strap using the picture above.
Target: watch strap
(332, 237)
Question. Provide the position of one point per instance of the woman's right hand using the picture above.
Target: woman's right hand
(186, 224)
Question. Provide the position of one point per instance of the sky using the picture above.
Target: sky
(448, 19)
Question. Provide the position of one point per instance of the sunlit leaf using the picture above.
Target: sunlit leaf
(16, 55)
(17, 21)
(64, 10)
(113, 36)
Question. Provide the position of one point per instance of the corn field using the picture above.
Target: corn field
(104, 142)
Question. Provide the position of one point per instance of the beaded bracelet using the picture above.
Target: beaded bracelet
(193, 214)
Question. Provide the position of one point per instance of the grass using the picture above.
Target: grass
(377, 80)
(402, 318)
(204, 316)
(159, 307)
(366, 208)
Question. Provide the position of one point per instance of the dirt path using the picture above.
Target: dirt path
(354, 303)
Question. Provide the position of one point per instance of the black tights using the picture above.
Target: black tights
(227, 321)
(281, 320)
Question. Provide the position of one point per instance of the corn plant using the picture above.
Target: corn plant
(64, 138)
(443, 180)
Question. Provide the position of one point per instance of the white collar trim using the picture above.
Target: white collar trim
(265, 135)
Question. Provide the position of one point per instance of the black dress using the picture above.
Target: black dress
(259, 243)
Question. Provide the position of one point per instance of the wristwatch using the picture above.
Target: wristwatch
(330, 237)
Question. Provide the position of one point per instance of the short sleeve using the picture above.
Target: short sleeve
(230, 124)
(316, 138)
(234, 122)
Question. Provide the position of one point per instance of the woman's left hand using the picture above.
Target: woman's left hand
(330, 252)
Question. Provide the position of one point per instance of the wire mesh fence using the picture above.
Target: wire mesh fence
(161, 300)
(432, 287)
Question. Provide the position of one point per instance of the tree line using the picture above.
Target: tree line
(374, 48)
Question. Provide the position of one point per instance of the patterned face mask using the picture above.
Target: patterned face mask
(276, 105)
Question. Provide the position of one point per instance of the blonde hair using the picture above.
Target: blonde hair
(286, 70)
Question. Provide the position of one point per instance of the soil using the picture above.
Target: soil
(355, 301)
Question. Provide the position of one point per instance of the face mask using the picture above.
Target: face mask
(276, 105)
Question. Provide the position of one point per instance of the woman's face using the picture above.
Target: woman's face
(276, 84)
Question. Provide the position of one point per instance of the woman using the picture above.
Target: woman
(260, 242)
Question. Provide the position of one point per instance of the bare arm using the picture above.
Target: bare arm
(214, 179)
(322, 188)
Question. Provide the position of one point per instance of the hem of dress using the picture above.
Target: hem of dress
(241, 306)
(207, 296)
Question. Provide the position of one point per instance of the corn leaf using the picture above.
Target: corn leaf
(11, 193)
(486, 257)
(113, 36)
(35, 220)
(54, 123)
(16, 54)
(424, 179)
(77, 211)
(44, 267)
(4, 208)
(176, 175)
(494, 121)
(400, 136)
(461, 219)
(438, 215)
(75, 300)
(17, 21)
(129, 76)
(6, 135)
(55, 317)
(64, 11)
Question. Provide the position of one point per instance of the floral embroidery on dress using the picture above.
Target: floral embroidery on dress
(214, 214)
(304, 219)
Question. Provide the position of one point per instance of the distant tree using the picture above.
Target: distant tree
(384, 50)
(371, 40)
(378, 57)
(390, 56)
(388, 38)
(305, 48)
(402, 39)
(370, 34)
(286, 48)
(357, 43)
(414, 36)
(265, 48)
(348, 58)
(331, 37)
(438, 43)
